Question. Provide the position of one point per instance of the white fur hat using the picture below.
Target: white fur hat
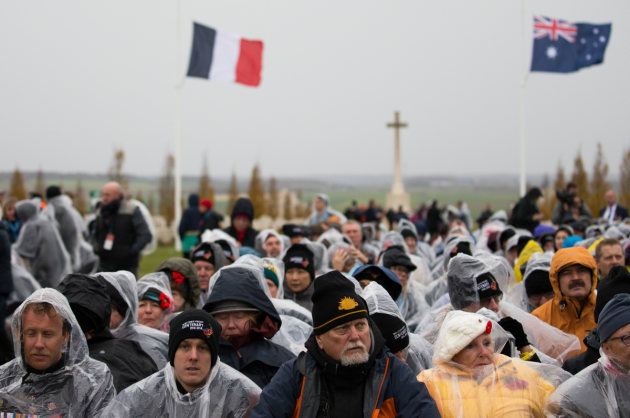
(458, 330)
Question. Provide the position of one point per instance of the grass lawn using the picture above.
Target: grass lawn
(149, 263)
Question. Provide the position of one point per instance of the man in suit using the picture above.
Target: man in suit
(613, 212)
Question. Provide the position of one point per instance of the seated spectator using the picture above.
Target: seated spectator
(52, 373)
(195, 383)
(299, 274)
(184, 283)
(155, 301)
(248, 321)
(208, 258)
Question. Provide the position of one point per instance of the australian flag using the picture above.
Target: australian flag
(564, 47)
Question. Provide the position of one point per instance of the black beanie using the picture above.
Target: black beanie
(335, 302)
(194, 323)
(52, 191)
(505, 235)
(487, 286)
(393, 329)
(617, 281)
(116, 299)
(522, 242)
(537, 283)
(202, 252)
(299, 256)
(408, 233)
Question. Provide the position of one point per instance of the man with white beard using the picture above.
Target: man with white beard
(346, 370)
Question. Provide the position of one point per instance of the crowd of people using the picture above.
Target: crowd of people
(353, 314)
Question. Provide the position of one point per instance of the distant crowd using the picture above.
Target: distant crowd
(365, 312)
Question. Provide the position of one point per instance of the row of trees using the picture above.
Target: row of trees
(593, 190)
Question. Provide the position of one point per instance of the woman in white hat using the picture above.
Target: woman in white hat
(470, 378)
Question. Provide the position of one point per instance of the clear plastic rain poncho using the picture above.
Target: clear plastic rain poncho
(488, 229)
(297, 325)
(152, 341)
(320, 256)
(40, 243)
(600, 390)
(423, 250)
(517, 295)
(216, 235)
(503, 387)
(152, 245)
(419, 352)
(332, 236)
(158, 281)
(227, 393)
(82, 387)
(262, 263)
(422, 273)
(262, 237)
(70, 224)
(24, 284)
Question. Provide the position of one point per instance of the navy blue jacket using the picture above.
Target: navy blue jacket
(391, 390)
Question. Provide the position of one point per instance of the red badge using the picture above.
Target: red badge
(165, 301)
(178, 277)
(489, 327)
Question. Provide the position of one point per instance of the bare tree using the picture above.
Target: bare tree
(288, 206)
(256, 192)
(579, 176)
(273, 204)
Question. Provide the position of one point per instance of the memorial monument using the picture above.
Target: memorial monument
(397, 196)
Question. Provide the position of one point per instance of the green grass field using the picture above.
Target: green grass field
(149, 263)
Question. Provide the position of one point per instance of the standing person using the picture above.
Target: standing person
(346, 370)
(570, 206)
(241, 223)
(119, 232)
(434, 220)
(40, 246)
(9, 217)
(210, 218)
(195, 383)
(68, 222)
(608, 254)
(52, 374)
(320, 212)
(613, 212)
(526, 214)
(190, 225)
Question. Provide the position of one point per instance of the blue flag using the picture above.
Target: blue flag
(564, 47)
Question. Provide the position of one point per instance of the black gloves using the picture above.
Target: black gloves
(515, 328)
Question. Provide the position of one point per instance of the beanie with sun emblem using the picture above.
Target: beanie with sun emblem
(335, 302)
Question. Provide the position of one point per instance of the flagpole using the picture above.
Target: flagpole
(523, 179)
(178, 133)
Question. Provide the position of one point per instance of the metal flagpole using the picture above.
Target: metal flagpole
(178, 132)
(523, 179)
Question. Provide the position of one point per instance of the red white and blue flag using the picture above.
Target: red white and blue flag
(561, 46)
(224, 56)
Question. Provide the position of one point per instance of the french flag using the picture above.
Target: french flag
(224, 56)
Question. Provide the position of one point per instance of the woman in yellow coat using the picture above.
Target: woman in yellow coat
(470, 380)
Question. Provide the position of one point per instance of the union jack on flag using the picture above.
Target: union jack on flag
(554, 28)
(564, 47)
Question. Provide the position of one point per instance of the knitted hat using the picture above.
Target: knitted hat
(194, 323)
(52, 191)
(458, 330)
(408, 233)
(227, 250)
(538, 283)
(181, 272)
(393, 329)
(206, 203)
(231, 306)
(396, 256)
(157, 296)
(299, 256)
(202, 252)
(617, 281)
(335, 302)
(271, 272)
(616, 314)
(487, 286)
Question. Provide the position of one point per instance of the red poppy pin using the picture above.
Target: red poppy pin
(488, 327)
(178, 277)
(165, 301)
(305, 263)
(207, 332)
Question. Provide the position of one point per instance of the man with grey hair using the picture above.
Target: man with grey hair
(119, 232)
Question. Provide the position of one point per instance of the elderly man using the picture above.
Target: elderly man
(601, 390)
(608, 254)
(345, 372)
(613, 212)
(195, 383)
(573, 276)
(361, 251)
(119, 232)
(52, 374)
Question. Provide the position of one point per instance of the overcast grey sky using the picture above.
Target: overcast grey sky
(81, 78)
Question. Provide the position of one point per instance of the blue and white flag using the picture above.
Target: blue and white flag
(564, 47)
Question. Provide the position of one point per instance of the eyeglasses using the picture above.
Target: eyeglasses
(624, 339)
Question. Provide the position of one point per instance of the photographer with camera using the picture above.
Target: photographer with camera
(570, 206)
